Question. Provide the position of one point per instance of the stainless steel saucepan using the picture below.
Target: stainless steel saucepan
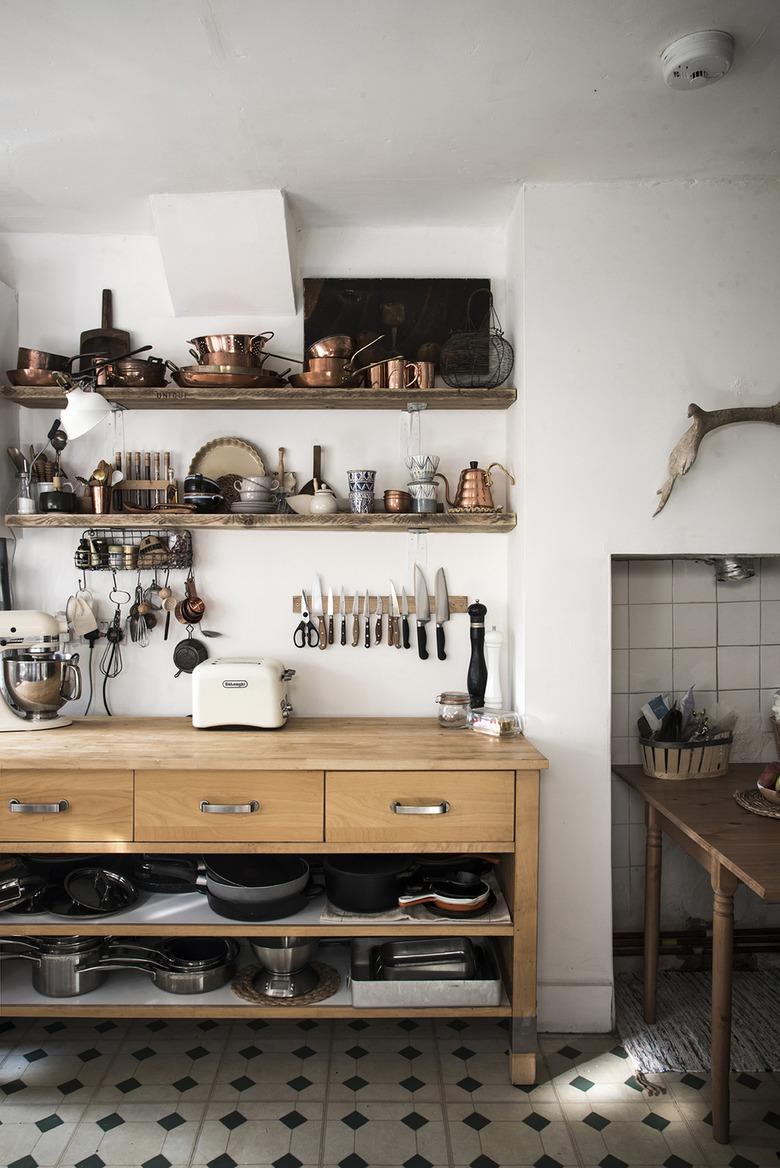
(58, 971)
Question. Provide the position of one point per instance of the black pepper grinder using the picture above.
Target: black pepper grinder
(477, 675)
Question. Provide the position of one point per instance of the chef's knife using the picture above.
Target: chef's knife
(378, 625)
(405, 619)
(355, 618)
(366, 614)
(423, 607)
(442, 612)
(317, 610)
(394, 619)
(331, 613)
(343, 611)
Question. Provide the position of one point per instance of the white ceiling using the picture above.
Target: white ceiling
(365, 111)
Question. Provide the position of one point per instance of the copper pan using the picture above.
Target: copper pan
(42, 377)
(39, 359)
(224, 377)
(321, 379)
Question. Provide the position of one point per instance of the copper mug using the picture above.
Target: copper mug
(376, 375)
(426, 374)
(401, 374)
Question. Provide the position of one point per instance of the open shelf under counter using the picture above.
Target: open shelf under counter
(170, 397)
(188, 914)
(494, 522)
(134, 995)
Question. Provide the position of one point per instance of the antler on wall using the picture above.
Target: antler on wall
(684, 454)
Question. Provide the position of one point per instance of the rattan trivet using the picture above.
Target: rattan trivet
(330, 980)
(754, 801)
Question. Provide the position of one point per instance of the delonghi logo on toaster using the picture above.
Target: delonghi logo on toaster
(235, 684)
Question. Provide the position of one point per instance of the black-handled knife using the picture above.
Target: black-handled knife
(423, 608)
(405, 620)
(442, 612)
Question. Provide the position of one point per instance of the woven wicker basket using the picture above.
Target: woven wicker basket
(704, 759)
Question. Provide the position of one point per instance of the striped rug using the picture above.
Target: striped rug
(679, 1040)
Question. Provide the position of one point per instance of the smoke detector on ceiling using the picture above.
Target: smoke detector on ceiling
(698, 59)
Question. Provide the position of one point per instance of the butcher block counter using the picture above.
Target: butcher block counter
(336, 785)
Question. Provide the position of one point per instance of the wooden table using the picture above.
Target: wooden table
(735, 847)
(319, 786)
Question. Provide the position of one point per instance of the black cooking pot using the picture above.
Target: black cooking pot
(188, 654)
(256, 888)
(365, 883)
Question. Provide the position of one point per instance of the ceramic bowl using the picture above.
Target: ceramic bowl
(768, 792)
(301, 504)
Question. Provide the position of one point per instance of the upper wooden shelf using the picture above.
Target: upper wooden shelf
(173, 398)
(343, 521)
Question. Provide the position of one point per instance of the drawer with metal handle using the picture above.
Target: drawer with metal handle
(454, 807)
(229, 806)
(66, 806)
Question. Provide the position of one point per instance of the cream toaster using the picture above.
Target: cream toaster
(240, 691)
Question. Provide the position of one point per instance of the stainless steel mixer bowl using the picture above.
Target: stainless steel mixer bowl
(39, 683)
(284, 954)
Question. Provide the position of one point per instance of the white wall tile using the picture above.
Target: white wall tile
(770, 622)
(636, 806)
(620, 751)
(650, 669)
(620, 581)
(731, 591)
(769, 749)
(695, 625)
(738, 667)
(620, 833)
(622, 918)
(706, 699)
(637, 838)
(620, 670)
(634, 753)
(693, 581)
(650, 626)
(746, 702)
(650, 581)
(770, 666)
(695, 667)
(739, 624)
(770, 578)
(619, 626)
(620, 706)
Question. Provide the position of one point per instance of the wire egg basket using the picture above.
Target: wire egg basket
(481, 355)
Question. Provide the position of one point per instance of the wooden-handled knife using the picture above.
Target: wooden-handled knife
(318, 611)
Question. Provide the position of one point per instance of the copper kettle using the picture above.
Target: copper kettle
(474, 487)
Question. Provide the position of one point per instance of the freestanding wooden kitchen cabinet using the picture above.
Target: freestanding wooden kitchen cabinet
(111, 785)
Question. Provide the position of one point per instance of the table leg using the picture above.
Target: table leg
(724, 884)
(653, 853)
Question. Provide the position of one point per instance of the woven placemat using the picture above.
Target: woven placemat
(754, 801)
(330, 980)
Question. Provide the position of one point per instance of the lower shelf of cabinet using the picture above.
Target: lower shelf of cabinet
(133, 995)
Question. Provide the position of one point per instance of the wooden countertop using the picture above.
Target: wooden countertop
(707, 813)
(304, 744)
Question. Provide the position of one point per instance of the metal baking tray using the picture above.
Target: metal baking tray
(484, 989)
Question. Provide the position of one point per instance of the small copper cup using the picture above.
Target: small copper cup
(376, 375)
(101, 498)
(426, 374)
(401, 374)
(398, 502)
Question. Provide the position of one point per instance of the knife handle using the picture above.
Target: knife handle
(323, 632)
(440, 643)
(378, 630)
(407, 642)
(397, 631)
(343, 630)
(330, 630)
(367, 641)
(422, 642)
(355, 631)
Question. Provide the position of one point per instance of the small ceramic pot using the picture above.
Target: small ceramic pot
(398, 502)
(361, 491)
(324, 502)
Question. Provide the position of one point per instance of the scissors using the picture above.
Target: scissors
(306, 631)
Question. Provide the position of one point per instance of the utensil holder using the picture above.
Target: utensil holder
(703, 759)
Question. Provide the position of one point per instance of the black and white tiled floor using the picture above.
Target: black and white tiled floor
(182, 1094)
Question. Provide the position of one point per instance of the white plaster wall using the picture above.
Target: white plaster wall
(638, 298)
(248, 578)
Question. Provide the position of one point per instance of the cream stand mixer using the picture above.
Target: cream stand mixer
(36, 676)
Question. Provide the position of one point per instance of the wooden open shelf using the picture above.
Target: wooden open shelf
(343, 521)
(286, 398)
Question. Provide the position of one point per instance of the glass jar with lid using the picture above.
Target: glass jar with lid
(454, 709)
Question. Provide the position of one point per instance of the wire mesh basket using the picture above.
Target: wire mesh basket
(481, 356)
(107, 549)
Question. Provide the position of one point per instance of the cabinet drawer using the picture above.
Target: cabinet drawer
(435, 806)
(66, 806)
(229, 806)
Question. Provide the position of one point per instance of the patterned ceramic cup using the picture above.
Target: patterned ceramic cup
(423, 467)
(361, 490)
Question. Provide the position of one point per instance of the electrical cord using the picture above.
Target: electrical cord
(91, 638)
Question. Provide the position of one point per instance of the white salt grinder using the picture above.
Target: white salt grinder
(494, 639)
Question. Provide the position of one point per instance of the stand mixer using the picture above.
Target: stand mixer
(36, 676)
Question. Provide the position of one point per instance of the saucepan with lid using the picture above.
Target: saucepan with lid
(177, 965)
(58, 970)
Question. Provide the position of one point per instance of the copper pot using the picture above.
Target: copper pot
(129, 373)
(336, 346)
(39, 359)
(474, 487)
(398, 502)
(329, 365)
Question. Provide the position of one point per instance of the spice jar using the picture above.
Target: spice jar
(454, 710)
(130, 556)
(82, 553)
(116, 559)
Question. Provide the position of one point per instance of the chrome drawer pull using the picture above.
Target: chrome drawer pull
(38, 808)
(423, 809)
(229, 808)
